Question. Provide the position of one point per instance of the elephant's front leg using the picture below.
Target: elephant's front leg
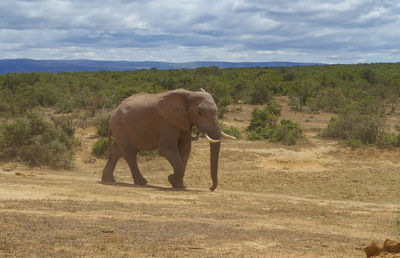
(170, 151)
(184, 146)
(176, 179)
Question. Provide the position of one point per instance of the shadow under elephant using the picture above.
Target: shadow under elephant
(156, 187)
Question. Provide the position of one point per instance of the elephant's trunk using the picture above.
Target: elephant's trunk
(214, 156)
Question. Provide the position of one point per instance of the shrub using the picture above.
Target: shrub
(353, 143)
(288, 132)
(222, 105)
(100, 148)
(301, 93)
(263, 126)
(266, 117)
(102, 122)
(38, 125)
(15, 134)
(366, 128)
(260, 133)
(369, 75)
(66, 104)
(90, 101)
(36, 142)
(288, 76)
(149, 154)
(331, 100)
(356, 129)
(63, 124)
(233, 131)
(260, 93)
(388, 140)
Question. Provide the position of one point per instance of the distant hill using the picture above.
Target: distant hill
(56, 66)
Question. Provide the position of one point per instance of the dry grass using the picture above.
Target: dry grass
(313, 199)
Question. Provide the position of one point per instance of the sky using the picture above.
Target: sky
(323, 31)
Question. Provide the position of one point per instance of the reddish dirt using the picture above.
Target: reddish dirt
(314, 199)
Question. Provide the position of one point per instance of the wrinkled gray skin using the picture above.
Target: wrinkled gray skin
(164, 121)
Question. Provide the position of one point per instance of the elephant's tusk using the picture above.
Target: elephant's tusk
(210, 140)
(228, 136)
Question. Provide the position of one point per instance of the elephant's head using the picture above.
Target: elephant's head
(196, 109)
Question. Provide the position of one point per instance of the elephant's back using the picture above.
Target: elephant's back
(137, 106)
(139, 101)
(137, 118)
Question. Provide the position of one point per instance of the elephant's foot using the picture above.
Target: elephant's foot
(107, 179)
(140, 181)
(176, 183)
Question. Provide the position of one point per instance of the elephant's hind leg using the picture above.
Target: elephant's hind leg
(184, 146)
(108, 171)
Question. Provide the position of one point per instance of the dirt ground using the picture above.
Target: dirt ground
(314, 199)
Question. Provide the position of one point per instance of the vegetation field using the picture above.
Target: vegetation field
(328, 193)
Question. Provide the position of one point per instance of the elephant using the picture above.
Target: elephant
(163, 120)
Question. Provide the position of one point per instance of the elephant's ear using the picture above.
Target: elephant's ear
(172, 108)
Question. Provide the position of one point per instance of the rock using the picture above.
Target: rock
(373, 249)
(391, 246)
(10, 168)
(90, 160)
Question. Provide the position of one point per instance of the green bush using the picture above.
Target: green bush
(266, 117)
(65, 105)
(331, 100)
(366, 128)
(16, 134)
(369, 75)
(260, 92)
(233, 131)
(260, 133)
(353, 143)
(100, 148)
(36, 142)
(102, 122)
(222, 104)
(288, 132)
(63, 124)
(358, 129)
(149, 154)
(388, 140)
(263, 126)
(301, 94)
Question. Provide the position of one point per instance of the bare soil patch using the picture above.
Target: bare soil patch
(314, 199)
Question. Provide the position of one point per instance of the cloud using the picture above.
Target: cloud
(231, 30)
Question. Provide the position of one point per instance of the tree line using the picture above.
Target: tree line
(361, 96)
(368, 88)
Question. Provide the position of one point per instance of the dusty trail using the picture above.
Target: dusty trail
(315, 199)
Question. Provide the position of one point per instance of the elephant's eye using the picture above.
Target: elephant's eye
(199, 112)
